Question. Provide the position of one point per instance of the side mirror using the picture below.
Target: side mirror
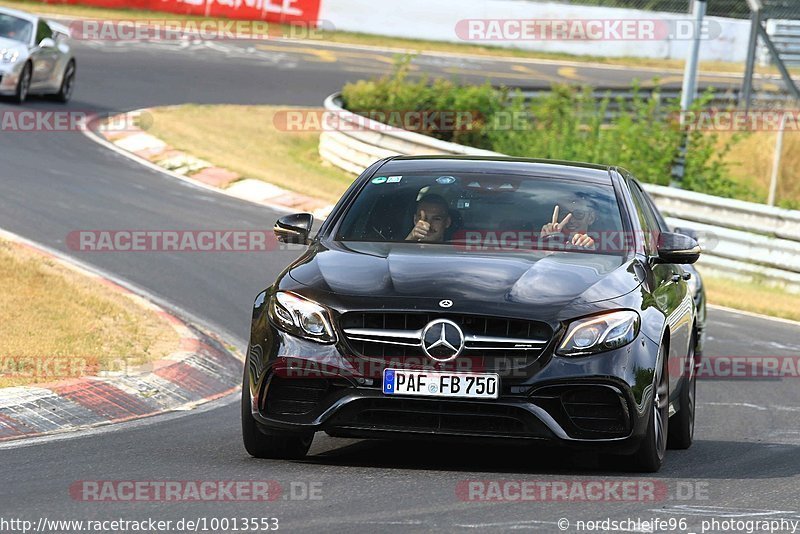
(47, 43)
(294, 228)
(677, 248)
(691, 232)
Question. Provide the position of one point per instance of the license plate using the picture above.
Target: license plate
(434, 384)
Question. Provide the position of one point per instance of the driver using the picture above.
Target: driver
(574, 228)
(431, 220)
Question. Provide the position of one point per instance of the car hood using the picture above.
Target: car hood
(12, 44)
(408, 270)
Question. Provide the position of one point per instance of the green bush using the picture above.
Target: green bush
(397, 94)
(568, 123)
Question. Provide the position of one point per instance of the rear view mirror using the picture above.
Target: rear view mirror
(677, 248)
(294, 228)
(47, 43)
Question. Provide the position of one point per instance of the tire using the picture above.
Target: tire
(650, 456)
(67, 84)
(269, 443)
(23, 85)
(681, 425)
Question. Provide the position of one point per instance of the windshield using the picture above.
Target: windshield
(15, 28)
(482, 211)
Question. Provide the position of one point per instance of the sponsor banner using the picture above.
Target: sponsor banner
(283, 11)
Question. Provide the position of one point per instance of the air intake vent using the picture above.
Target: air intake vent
(586, 410)
(597, 409)
(294, 396)
(448, 417)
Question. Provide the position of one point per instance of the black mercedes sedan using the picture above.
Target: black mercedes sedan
(479, 298)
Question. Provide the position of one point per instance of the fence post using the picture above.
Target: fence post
(776, 162)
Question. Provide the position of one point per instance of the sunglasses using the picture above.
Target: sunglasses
(578, 215)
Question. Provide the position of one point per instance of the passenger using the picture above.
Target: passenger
(574, 229)
(431, 220)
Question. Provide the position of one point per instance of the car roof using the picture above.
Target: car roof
(19, 14)
(588, 172)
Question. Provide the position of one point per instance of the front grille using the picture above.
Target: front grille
(286, 396)
(493, 343)
(447, 417)
(589, 410)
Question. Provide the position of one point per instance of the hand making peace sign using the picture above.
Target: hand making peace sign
(554, 227)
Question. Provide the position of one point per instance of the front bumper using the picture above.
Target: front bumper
(9, 77)
(596, 401)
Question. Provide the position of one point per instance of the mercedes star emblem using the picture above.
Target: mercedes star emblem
(446, 303)
(442, 340)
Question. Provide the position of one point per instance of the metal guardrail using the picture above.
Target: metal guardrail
(741, 239)
(785, 35)
(617, 98)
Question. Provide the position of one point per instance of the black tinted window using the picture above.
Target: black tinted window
(647, 218)
(464, 205)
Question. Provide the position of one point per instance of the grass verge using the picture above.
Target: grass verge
(752, 297)
(418, 45)
(244, 139)
(750, 164)
(58, 324)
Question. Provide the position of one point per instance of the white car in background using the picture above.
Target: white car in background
(35, 57)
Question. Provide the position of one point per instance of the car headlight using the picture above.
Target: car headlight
(600, 333)
(9, 55)
(301, 317)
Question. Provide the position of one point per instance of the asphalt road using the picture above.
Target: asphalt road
(743, 465)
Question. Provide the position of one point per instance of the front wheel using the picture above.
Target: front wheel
(650, 455)
(24, 84)
(67, 84)
(269, 443)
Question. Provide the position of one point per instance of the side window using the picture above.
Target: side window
(43, 31)
(662, 223)
(647, 219)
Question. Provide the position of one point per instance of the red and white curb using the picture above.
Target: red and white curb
(201, 370)
(121, 135)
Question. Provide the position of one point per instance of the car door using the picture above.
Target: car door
(44, 58)
(669, 290)
(695, 284)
